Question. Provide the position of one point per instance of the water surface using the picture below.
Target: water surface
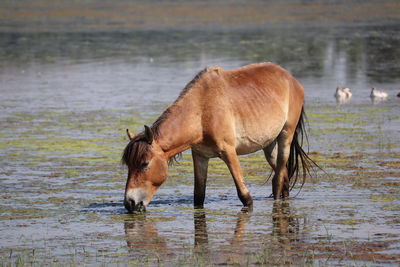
(67, 98)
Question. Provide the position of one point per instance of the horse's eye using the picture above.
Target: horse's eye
(144, 165)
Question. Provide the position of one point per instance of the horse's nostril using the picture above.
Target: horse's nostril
(129, 205)
(132, 206)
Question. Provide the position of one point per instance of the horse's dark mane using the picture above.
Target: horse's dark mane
(156, 125)
(135, 152)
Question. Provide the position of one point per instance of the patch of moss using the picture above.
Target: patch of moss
(350, 221)
(385, 197)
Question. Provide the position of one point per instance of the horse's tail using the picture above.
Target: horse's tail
(298, 158)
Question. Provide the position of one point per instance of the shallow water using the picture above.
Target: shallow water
(67, 98)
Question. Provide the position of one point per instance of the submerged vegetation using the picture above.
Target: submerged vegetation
(62, 169)
(68, 97)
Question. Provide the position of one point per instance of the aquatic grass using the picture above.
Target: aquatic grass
(269, 254)
(349, 221)
(85, 149)
(75, 178)
(385, 198)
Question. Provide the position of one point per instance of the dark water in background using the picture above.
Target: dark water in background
(73, 87)
(102, 69)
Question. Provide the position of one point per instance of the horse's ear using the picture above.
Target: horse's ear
(148, 134)
(130, 135)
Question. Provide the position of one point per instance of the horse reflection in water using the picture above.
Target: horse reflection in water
(286, 230)
(142, 237)
(274, 248)
(201, 243)
(200, 230)
(286, 227)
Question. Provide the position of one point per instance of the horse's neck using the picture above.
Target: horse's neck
(181, 128)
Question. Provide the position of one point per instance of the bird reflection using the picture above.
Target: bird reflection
(343, 95)
(378, 96)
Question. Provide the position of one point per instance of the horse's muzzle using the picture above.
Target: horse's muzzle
(133, 207)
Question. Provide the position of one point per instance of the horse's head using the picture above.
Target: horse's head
(147, 169)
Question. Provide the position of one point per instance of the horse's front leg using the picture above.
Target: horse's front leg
(200, 164)
(231, 159)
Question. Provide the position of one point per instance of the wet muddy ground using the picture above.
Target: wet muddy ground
(67, 98)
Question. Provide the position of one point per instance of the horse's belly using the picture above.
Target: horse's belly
(206, 150)
(253, 139)
(246, 145)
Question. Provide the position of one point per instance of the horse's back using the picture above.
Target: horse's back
(253, 102)
(262, 77)
(265, 87)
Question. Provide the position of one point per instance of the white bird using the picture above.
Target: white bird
(343, 94)
(379, 94)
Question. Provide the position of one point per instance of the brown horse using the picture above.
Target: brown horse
(223, 114)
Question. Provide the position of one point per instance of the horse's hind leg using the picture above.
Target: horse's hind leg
(280, 182)
(200, 164)
(271, 154)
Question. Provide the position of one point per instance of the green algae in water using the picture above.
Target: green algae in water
(62, 161)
